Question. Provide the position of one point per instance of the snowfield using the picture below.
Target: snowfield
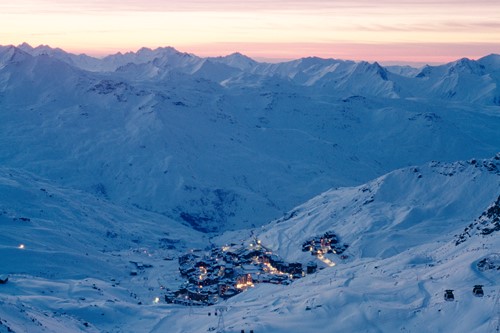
(113, 168)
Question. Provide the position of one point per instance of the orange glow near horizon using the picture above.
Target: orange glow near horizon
(388, 31)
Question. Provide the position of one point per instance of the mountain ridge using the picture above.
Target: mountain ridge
(316, 72)
(194, 138)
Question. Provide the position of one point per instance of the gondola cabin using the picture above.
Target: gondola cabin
(478, 290)
(448, 295)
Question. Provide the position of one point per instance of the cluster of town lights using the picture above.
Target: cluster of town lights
(245, 282)
(244, 285)
(327, 261)
(273, 270)
(204, 273)
(207, 280)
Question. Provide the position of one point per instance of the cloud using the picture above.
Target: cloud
(447, 25)
(231, 5)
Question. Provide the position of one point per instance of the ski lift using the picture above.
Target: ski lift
(478, 290)
(448, 295)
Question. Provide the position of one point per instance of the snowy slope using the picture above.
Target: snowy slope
(462, 80)
(69, 256)
(402, 230)
(430, 202)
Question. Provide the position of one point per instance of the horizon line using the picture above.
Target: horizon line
(262, 59)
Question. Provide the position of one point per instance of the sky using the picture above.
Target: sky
(388, 31)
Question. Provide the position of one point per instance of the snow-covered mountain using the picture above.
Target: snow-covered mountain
(404, 232)
(224, 143)
(463, 80)
(114, 168)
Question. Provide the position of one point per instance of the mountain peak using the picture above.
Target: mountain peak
(375, 68)
(25, 46)
(309, 61)
(42, 49)
(236, 60)
(491, 61)
(239, 56)
(12, 53)
(158, 51)
(490, 56)
(466, 65)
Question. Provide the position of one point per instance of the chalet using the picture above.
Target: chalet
(230, 256)
(294, 268)
(197, 295)
(212, 289)
(280, 266)
(278, 279)
(274, 260)
(229, 270)
(141, 265)
(209, 281)
(264, 278)
(204, 263)
(311, 267)
(187, 258)
(182, 291)
(219, 270)
(217, 252)
(244, 279)
(229, 292)
(170, 297)
(249, 254)
(307, 247)
(186, 270)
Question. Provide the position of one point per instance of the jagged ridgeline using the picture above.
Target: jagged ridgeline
(486, 224)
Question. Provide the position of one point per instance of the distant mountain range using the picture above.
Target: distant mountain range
(461, 80)
(228, 142)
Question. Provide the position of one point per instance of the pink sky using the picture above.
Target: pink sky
(384, 30)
